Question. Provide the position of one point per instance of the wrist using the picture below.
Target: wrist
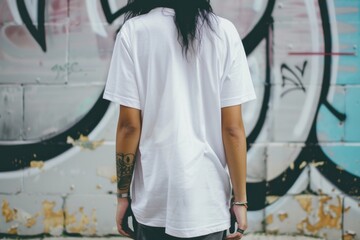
(240, 203)
(122, 195)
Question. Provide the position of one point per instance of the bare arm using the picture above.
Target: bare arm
(234, 140)
(127, 141)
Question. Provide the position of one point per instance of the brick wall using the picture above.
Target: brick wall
(57, 134)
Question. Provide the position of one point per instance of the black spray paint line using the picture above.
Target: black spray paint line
(39, 33)
(110, 17)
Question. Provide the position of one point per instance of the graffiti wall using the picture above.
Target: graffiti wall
(57, 134)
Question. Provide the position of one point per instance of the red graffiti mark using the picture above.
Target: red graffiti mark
(323, 53)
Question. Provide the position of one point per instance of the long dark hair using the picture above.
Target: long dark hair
(187, 15)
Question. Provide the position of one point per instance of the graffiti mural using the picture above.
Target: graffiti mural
(58, 134)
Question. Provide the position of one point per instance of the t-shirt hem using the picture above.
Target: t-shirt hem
(238, 100)
(121, 100)
(182, 233)
(190, 233)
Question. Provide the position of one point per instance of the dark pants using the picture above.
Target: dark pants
(144, 232)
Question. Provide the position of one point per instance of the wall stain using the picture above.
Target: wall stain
(13, 230)
(86, 224)
(7, 212)
(330, 218)
(282, 216)
(53, 220)
(18, 216)
(37, 164)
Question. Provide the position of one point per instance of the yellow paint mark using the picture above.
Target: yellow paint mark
(37, 164)
(84, 142)
(13, 230)
(7, 212)
(302, 165)
(330, 218)
(349, 235)
(270, 199)
(315, 164)
(282, 216)
(31, 221)
(269, 219)
(113, 179)
(52, 219)
(305, 202)
(85, 225)
(292, 166)
(339, 167)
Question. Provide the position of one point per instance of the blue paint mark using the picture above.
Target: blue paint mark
(347, 157)
(352, 108)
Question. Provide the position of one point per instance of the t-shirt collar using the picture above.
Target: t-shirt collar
(163, 9)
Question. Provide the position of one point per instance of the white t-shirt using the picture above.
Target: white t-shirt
(180, 180)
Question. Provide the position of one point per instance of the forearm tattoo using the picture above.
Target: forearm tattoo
(124, 168)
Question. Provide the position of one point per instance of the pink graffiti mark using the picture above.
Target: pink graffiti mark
(323, 53)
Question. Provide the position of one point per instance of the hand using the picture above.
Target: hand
(123, 211)
(240, 214)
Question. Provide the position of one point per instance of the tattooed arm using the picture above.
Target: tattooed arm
(127, 141)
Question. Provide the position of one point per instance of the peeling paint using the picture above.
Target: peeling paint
(86, 225)
(292, 166)
(315, 164)
(270, 199)
(282, 216)
(84, 142)
(107, 172)
(269, 219)
(24, 217)
(349, 235)
(52, 220)
(7, 212)
(302, 165)
(37, 164)
(305, 202)
(13, 230)
(328, 216)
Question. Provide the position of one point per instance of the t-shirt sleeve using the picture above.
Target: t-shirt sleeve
(121, 86)
(237, 86)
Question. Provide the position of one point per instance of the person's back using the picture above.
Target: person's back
(180, 179)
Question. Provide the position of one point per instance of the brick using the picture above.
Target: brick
(293, 114)
(90, 51)
(49, 110)
(88, 169)
(31, 214)
(352, 106)
(351, 216)
(305, 214)
(95, 217)
(28, 62)
(11, 112)
(329, 127)
(346, 158)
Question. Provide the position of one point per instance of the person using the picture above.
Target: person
(180, 75)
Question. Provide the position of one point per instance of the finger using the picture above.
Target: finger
(120, 228)
(122, 232)
(233, 236)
